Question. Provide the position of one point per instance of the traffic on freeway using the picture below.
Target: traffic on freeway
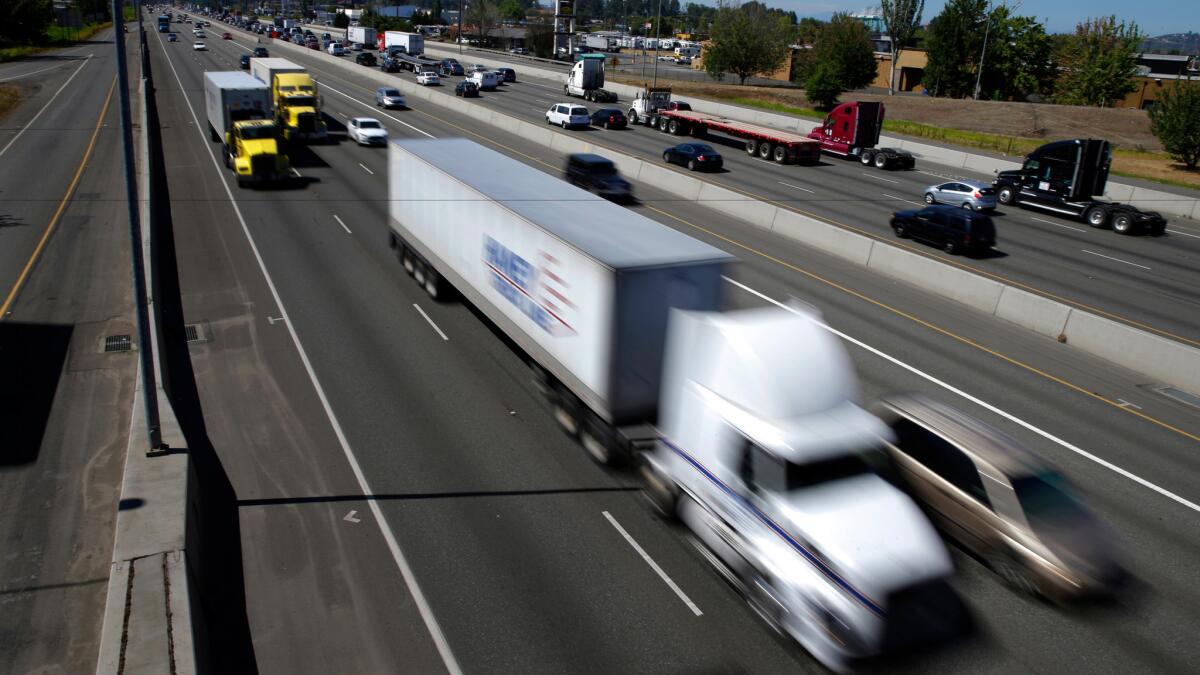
(485, 405)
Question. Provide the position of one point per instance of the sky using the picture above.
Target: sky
(1154, 17)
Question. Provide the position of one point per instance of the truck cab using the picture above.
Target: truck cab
(647, 102)
(1065, 177)
(852, 130)
(252, 151)
(586, 79)
(297, 108)
(765, 456)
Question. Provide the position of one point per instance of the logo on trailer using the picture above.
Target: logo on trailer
(539, 292)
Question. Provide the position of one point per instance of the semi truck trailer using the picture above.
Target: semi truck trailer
(1066, 177)
(294, 99)
(783, 147)
(363, 34)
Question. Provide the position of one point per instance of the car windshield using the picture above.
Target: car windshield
(391, 92)
(369, 124)
(1048, 505)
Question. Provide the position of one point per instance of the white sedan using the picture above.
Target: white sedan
(200, 46)
(366, 131)
(428, 77)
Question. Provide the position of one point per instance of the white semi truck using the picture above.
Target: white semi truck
(362, 34)
(586, 79)
(755, 439)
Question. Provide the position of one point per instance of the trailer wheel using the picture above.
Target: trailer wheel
(866, 157)
(881, 161)
(419, 272)
(406, 260)
(664, 125)
(673, 127)
(1122, 223)
(566, 411)
(596, 447)
(752, 147)
(434, 285)
(780, 154)
(764, 150)
(1096, 216)
(663, 498)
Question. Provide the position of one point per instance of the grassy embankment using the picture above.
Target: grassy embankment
(56, 38)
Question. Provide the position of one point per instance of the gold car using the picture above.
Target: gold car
(1000, 501)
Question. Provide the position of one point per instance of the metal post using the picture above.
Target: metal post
(657, 37)
(145, 346)
(460, 18)
(983, 52)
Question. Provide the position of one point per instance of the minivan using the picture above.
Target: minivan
(954, 230)
(486, 79)
(597, 174)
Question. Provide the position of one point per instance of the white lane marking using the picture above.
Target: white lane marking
(1126, 404)
(906, 201)
(654, 566)
(871, 175)
(272, 319)
(39, 113)
(410, 580)
(32, 72)
(349, 517)
(1051, 222)
(335, 217)
(1197, 236)
(983, 404)
(364, 168)
(295, 172)
(431, 323)
(797, 187)
(1112, 258)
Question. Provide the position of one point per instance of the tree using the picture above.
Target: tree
(747, 40)
(512, 10)
(435, 12)
(953, 42)
(823, 86)
(1020, 58)
(902, 18)
(340, 20)
(1098, 63)
(1175, 121)
(483, 14)
(24, 21)
(845, 45)
(541, 39)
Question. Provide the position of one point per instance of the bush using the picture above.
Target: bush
(1175, 120)
(823, 86)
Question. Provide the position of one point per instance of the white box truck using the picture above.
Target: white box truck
(231, 97)
(363, 34)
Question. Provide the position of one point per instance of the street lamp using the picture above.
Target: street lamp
(983, 52)
(657, 34)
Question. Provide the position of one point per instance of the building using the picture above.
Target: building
(910, 69)
(1159, 71)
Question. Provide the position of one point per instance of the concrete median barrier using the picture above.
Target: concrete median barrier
(832, 239)
(1164, 360)
(1032, 311)
(965, 287)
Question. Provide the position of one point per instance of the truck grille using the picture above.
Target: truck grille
(262, 166)
(306, 123)
(921, 614)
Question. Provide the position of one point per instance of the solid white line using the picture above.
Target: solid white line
(1112, 258)
(1050, 222)
(410, 580)
(32, 72)
(1008, 416)
(431, 323)
(871, 175)
(296, 173)
(901, 199)
(39, 113)
(335, 217)
(364, 168)
(797, 187)
(1197, 236)
(654, 566)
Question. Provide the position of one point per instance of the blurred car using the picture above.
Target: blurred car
(428, 77)
(683, 60)
(261, 53)
(477, 68)
(507, 74)
(694, 156)
(1000, 501)
(226, 36)
(609, 118)
(518, 50)
(955, 230)
(366, 131)
(336, 49)
(244, 62)
(313, 45)
(568, 115)
(326, 36)
(171, 37)
(365, 59)
(597, 174)
(467, 89)
(199, 46)
(450, 67)
(356, 46)
(389, 97)
(969, 194)
(389, 65)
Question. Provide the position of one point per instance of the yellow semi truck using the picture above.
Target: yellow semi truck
(238, 108)
(294, 99)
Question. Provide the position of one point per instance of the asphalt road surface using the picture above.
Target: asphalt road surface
(326, 374)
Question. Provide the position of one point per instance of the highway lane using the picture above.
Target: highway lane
(359, 357)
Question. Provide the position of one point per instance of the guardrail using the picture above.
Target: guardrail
(1164, 360)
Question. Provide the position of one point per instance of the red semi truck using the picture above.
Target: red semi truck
(771, 144)
(852, 130)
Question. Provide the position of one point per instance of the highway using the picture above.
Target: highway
(1144, 281)
(64, 402)
(491, 543)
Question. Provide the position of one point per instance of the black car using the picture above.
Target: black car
(953, 229)
(261, 53)
(389, 65)
(609, 118)
(448, 69)
(507, 74)
(365, 59)
(244, 62)
(467, 89)
(597, 174)
(694, 156)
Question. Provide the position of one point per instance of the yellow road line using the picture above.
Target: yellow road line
(62, 206)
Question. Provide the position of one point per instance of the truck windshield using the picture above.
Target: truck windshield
(258, 132)
(800, 476)
(300, 102)
(761, 468)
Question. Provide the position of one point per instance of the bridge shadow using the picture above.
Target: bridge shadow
(32, 357)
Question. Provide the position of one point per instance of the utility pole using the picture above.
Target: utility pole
(460, 17)
(145, 346)
(657, 36)
(983, 52)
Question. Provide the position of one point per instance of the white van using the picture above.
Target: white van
(486, 79)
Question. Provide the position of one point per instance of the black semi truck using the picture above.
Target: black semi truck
(1066, 177)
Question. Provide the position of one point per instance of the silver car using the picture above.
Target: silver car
(969, 194)
(388, 97)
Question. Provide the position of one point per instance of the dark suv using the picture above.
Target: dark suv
(955, 230)
(597, 174)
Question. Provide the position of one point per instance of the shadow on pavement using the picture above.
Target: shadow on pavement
(325, 499)
(32, 357)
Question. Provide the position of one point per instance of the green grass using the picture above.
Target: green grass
(56, 37)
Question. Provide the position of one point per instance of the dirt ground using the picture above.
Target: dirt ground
(9, 97)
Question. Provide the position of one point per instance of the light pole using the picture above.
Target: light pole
(987, 29)
(459, 38)
(657, 34)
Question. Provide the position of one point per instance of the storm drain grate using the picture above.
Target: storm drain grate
(192, 332)
(117, 343)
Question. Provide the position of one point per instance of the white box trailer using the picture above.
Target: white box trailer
(363, 34)
(233, 96)
(413, 43)
(582, 285)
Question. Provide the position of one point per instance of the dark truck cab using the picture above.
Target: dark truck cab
(1065, 177)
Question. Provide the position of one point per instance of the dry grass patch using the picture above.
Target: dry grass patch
(10, 96)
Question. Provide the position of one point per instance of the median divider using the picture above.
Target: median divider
(1165, 360)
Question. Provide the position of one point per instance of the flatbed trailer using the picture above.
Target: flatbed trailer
(416, 64)
(780, 146)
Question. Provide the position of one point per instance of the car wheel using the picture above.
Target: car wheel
(667, 157)
(1012, 573)
(1096, 216)
(1122, 223)
(564, 124)
(900, 230)
(1006, 195)
(968, 206)
(691, 165)
(950, 247)
(929, 198)
(881, 161)
(866, 157)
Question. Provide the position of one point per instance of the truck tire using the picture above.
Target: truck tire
(764, 150)
(866, 157)
(752, 147)
(633, 116)
(434, 284)
(566, 411)
(881, 160)
(673, 127)
(1007, 195)
(1122, 223)
(1096, 216)
(780, 154)
(419, 271)
(664, 125)
(662, 495)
